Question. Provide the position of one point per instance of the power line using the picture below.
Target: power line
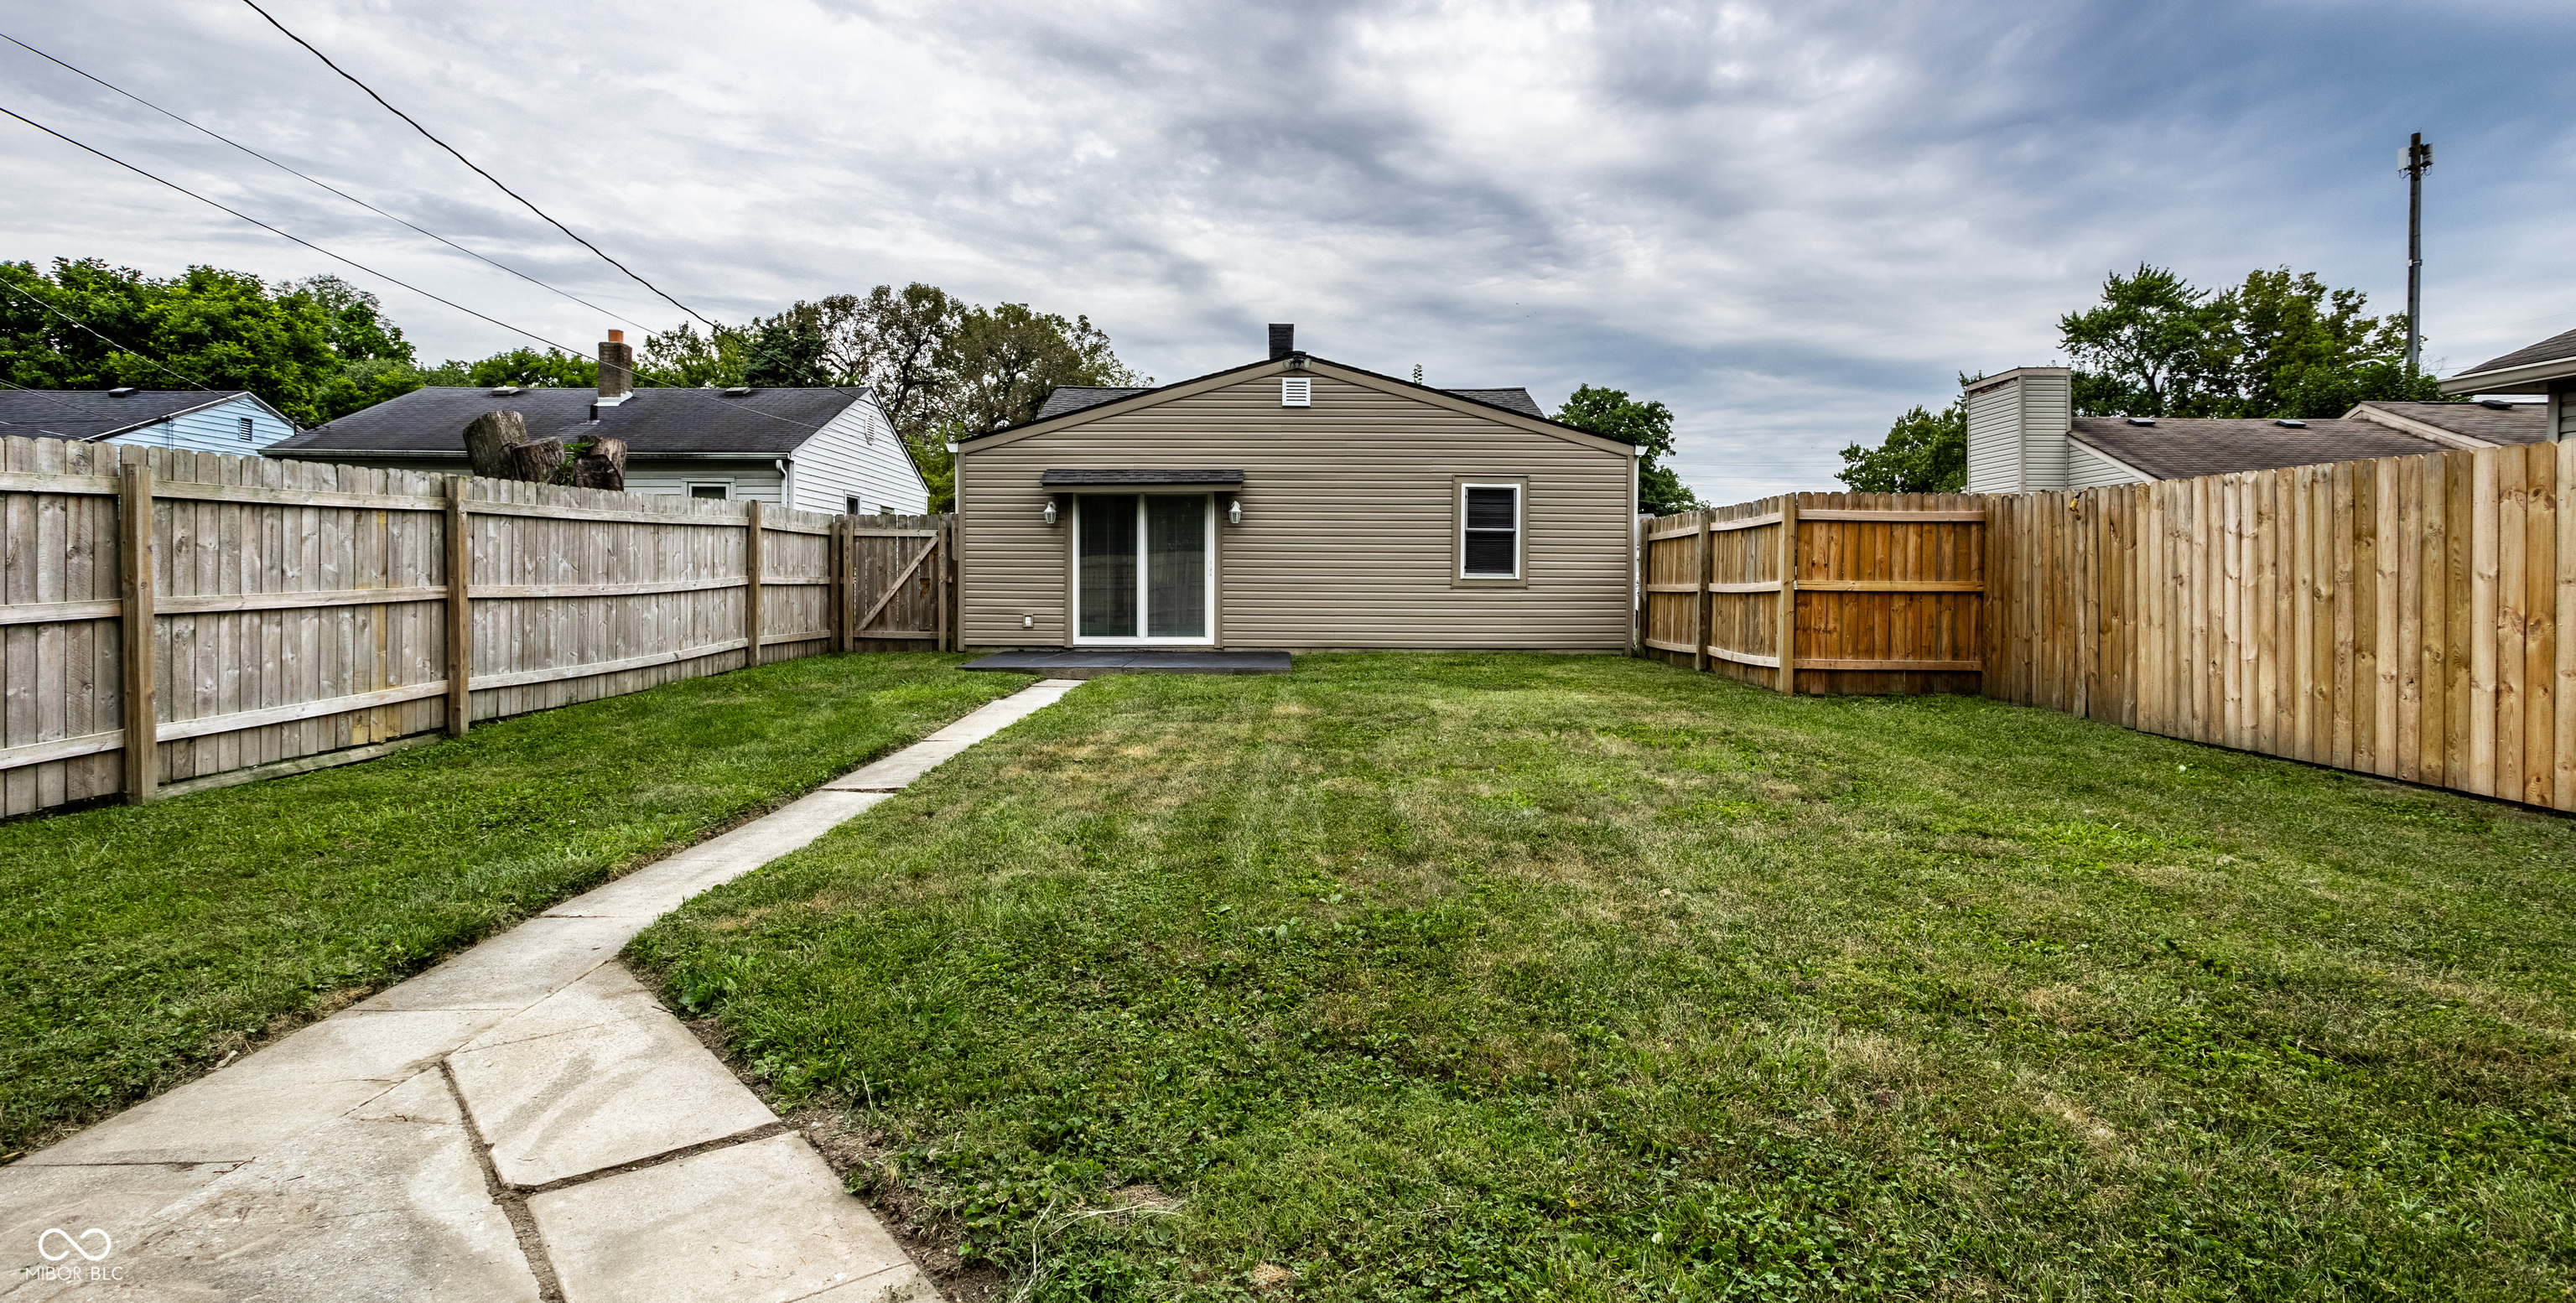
(496, 181)
(4, 36)
(296, 238)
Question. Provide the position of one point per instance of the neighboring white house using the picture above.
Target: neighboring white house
(825, 450)
(2023, 436)
(199, 420)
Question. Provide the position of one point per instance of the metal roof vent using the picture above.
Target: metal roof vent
(2291, 425)
(1296, 391)
(2142, 420)
(738, 391)
(120, 391)
(504, 391)
(2496, 404)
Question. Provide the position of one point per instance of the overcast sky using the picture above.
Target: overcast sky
(1789, 222)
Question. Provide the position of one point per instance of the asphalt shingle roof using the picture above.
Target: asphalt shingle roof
(1074, 398)
(2177, 448)
(1517, 400)
(2523, 423)
(2556, 348)
(96, 413)
(764, 422)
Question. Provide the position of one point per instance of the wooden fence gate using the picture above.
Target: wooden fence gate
(900, 580)
(1867, 592)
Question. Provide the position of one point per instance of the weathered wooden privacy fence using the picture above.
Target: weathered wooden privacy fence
(2412, 617)
(302, 615)
(1866, 592)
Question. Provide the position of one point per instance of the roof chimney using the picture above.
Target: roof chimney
(616, 368)
(1283, 341)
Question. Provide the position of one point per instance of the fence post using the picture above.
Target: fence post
(460, 609)
(838, 595)
(135, 639)
(1699, 591)
(1788, 594)
(751, 564)
(939, 574)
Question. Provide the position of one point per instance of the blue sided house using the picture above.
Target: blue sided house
(199, 420)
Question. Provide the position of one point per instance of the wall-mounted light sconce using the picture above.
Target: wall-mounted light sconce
(1234, 512)
(1050, 511)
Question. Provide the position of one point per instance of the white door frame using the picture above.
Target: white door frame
(1144, 615)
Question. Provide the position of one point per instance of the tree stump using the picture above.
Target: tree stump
(603, 467)
(537, 462)
(488, 442)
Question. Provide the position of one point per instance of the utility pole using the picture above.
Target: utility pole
(2419, 156)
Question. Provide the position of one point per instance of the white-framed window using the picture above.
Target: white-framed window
(850, 506)
(249, 430)
(1144, 569)
(715, 489)
(1489, 531)
(1297, 391)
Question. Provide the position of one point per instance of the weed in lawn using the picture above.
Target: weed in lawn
(1522, 976)
(153, 941)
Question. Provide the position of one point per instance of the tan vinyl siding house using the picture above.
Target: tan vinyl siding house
(1350, 534)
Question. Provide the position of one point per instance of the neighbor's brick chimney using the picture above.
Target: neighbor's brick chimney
(616, 366)
(1283, 341)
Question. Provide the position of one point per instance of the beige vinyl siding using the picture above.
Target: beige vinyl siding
(1349, 522)
(1994, 442)
(2087, 469)
(856, 454)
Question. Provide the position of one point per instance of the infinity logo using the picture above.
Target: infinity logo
(72, 1246)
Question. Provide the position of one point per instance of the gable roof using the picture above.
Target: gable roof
(700, 422)
(2515, 424)
(93, 414)
(2176, 448)
(2553, 358)
(1510, 406)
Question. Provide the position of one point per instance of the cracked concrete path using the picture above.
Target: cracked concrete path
(525, 1121)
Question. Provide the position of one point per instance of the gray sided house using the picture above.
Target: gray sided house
(826, 450)
(2546, 370)
(1295, 503)
(199, 420)
(2023, 437)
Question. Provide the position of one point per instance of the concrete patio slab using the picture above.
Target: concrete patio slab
(389, 1193)
(1092, 662)
(270, 1097)
(764, 1222)
(565, 1102)
(337, 1164)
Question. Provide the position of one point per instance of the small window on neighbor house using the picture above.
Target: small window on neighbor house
(718, 491)
(1489, 531)
(850, 506)
(1297, 391)
(248, 430)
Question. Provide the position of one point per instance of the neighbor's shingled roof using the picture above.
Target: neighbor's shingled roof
(2176, 448)
(2556, 348)
(2522, 423)
(764, 422)
(96, 413)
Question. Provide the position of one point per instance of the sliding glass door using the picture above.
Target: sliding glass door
(1141, 571)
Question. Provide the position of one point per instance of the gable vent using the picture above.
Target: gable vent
(1297, 391)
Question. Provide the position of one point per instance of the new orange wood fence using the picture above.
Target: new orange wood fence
(2413, 617)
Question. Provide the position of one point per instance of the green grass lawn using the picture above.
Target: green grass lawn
(147, 942)
(1587, 978)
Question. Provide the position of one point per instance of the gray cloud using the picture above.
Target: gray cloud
(1789, 222)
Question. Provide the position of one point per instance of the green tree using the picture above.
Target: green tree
(2281, 344)
(1612, 414)
(2150, 348)
(786, 352)
(531, 369)
(1924, 452)
(682, 358)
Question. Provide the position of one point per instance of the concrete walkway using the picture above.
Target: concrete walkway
(522, 1122)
